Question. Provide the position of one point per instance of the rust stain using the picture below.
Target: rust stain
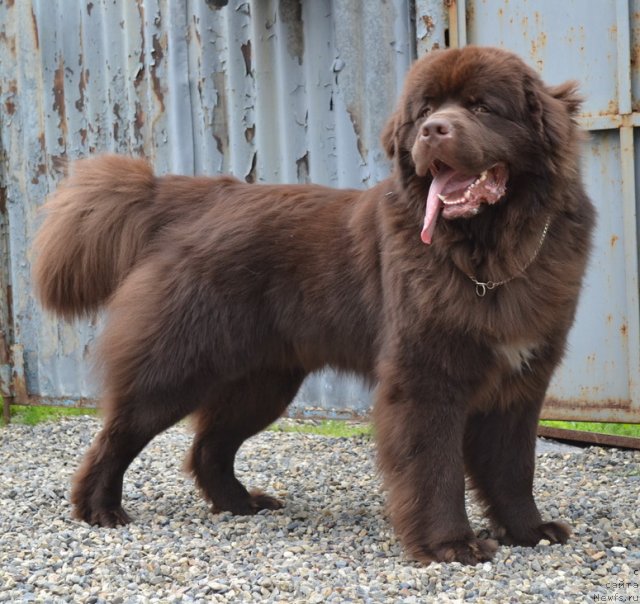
(250, 133)
(592, 438)
(41, 171)
(4, 354)
(140, 74)
(581, 405)
(34, 24)
(613, 410)
(614, 240)
(157, 54)
(83, 136)
(138, 122)
(60, 163)
(82, 86)
(219, 143)
(9, 104)
(10, 3)
(19, 389)
(116, 123)
(251, 175)
(429, 23)
(246, 54)
(58, 99)
(9, 41)
(624, 330)
(302, 168)
(539, 43)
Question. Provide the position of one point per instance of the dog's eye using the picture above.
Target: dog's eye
(426, 111)
(480, 108)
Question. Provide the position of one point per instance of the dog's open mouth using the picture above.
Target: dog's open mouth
(458, 195)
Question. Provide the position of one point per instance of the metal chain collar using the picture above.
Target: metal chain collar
(483, 286)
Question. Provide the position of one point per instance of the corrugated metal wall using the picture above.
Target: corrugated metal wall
(598, 44)
(295, 91)
(278, 91)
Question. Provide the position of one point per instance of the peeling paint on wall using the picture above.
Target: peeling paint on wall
(289, 91)
(249, 88)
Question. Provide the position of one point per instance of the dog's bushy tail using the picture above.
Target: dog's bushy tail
(98, 223)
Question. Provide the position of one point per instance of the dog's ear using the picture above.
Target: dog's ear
(568, 94)
(533, 98)
(389, 135)
(552, 109)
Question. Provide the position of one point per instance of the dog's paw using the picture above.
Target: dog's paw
(98, 516)
(554, 532)
(261, 501)
(247, 506)
(469, 551)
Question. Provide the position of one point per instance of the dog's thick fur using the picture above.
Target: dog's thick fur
(222, 296)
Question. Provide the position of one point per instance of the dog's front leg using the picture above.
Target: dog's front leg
(500, 453)
(420, 419)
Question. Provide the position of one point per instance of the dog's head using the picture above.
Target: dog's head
(470, 122)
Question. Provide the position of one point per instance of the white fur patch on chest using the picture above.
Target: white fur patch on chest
(517, 354)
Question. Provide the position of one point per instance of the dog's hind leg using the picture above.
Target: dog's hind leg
(238, 410)
(130, 423)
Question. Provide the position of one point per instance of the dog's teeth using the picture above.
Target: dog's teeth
(467, 194)
(454, 202)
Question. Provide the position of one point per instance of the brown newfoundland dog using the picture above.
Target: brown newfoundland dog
(452, 285)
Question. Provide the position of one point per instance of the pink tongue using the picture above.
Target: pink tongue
(434, 204)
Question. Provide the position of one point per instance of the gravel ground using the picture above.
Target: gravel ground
(331, 542)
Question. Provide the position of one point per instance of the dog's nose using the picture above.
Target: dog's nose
(436, 128)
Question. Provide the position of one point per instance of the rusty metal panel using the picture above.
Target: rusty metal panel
(432, 25)
(590, 438)
(298, 91)
(6, 335)
(270, 90)
(600, 377)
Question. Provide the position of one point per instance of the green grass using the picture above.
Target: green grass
(32, 415)
(330, 427)
(603, 428)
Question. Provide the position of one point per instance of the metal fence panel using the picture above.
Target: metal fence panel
(600, 377)
(296, 91)
(278, 91)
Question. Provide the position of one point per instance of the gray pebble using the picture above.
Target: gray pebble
(331, 543)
